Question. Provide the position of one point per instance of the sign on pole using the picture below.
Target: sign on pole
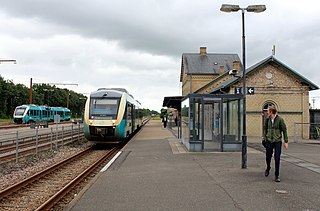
(56, 118)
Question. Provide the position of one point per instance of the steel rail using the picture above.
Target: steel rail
(53, 200)
(50, 203)
(8, 191)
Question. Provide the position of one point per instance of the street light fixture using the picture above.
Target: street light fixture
(8, 60)
(255, 9)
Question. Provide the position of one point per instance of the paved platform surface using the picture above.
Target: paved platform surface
(155, 172)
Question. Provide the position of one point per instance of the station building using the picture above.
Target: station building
(211, 91)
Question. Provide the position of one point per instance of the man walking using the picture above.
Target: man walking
(274, 127)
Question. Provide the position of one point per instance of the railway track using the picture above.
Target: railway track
(5, 123)
(55, 187)
(34, 144)
(45, 189)
(10, 125)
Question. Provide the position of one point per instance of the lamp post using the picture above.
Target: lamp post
(256, 9)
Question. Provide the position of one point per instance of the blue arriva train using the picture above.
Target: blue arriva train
(110, 115)
(26, 114)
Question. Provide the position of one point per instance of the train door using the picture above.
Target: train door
(129, 119)
(133, 118)
(33, 115)
(41, 114)
(27, 116)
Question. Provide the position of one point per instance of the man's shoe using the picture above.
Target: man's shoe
(266, 172)
(277, 179)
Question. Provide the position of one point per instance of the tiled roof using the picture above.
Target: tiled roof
(194, 63)
(256, 67)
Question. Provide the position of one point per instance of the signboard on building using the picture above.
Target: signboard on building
(250, 90)
(237, 90)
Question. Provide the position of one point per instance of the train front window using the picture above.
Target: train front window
(103, 108)
(19, 111)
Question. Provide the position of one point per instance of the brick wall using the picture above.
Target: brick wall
(282, 89)
(197, 82)
(272, 83)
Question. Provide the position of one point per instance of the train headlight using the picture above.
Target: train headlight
(90, 121)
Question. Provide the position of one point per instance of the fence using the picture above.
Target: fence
(30, 141)
(306, 131)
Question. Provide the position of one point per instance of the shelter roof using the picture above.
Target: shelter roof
(172, 102)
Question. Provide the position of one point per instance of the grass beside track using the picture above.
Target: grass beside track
(156, 118)
(6, 120)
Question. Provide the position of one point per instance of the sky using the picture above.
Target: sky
(138, 44)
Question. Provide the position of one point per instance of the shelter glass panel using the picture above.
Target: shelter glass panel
(211, 122)
(232, 121)
(197, 121)
(211, 126)
(185, 124)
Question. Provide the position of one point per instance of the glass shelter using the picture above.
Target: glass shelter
(211, 122)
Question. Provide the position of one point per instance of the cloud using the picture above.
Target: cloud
(91, 63)
(138, 44)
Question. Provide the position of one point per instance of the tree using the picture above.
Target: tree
(163, 113)
(12, 95)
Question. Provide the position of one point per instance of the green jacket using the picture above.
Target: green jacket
(273, 133)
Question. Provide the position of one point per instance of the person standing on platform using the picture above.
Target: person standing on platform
(274, 127)
(164, 120)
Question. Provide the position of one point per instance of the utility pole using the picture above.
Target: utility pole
(68, 96)
(30, 92)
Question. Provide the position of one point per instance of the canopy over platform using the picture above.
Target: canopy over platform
(172, 102)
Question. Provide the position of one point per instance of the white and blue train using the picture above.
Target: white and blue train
(110, 116)
(31, 113)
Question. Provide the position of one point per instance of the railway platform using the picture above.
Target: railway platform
(155, 172)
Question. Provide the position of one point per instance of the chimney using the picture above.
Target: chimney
(221, 69)
(203, 51)
(236, 65)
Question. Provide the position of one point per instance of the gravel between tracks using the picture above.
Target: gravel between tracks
(12, 172)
